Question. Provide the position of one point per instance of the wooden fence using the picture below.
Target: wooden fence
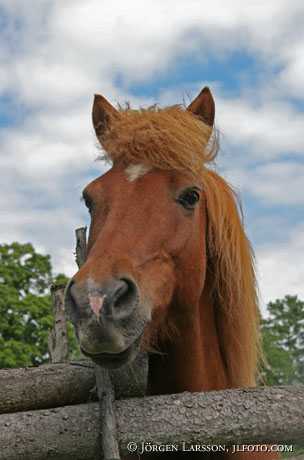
(52, 412)
(75, 410)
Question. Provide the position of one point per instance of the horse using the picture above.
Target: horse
(169, 268)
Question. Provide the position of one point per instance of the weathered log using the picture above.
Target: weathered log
(54, 385)
(58, 337)
(272, 415)
(106, 398)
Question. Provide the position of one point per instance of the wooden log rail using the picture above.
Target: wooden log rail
(54, 385)
(243, 416)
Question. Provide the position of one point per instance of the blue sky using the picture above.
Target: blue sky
(231, 72)
(55, 55)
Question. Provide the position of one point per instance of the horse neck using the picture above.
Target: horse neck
(192, 361)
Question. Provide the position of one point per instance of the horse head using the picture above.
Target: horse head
(147, 234)
(169, 267)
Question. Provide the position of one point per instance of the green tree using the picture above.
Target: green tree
(25, 305)
(283, 341)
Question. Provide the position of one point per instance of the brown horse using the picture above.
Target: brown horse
(169, 267)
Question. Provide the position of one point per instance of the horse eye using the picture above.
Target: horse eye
(189, 198)
(87, 201)
(88, 204)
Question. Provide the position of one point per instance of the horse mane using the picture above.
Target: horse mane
(173, 138)
(234, 289)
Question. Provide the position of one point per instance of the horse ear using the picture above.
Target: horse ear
(102, 113)
(203, 106)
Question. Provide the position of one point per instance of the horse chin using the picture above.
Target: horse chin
(115, 360)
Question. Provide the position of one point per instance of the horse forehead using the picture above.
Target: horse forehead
(134, 177)
(135, 171)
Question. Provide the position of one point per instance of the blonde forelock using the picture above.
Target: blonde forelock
(169, 138)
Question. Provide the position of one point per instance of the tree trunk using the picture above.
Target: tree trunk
(244, 416)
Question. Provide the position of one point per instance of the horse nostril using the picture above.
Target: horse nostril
(119, 291)
(124, 296)
(76, 294)
(71, 301)
(76, 301)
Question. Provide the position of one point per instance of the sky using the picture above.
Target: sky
(54, 55)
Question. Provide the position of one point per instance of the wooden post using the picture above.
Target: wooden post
(81, 245)
(106, 397)
(105, 391)
(58, 338)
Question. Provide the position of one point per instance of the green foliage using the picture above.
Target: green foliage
(283, 341)
(25, 305)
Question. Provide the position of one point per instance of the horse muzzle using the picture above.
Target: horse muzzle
(107, 318)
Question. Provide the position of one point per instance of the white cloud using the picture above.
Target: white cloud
(54, 55)
(279, 183)
(281, 268)
(46, 217)
(291, 77)
(70, 46)
(266, 131)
